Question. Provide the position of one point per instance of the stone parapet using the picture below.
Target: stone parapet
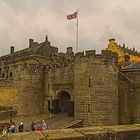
(105, 56)
(119, 132)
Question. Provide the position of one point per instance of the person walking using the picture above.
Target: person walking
(21, 127)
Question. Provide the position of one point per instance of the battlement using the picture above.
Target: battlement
(105, 55)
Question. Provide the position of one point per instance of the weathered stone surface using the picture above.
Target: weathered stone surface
(130, 94)
(31, 79)
(118, 132)
(96, 88)
(7, 96)
(63, 134)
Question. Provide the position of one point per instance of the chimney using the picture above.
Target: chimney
(69, 49)
(31, 43)
(11, 49)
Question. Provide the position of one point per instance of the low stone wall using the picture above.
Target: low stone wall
(7, 114)
(119, 132)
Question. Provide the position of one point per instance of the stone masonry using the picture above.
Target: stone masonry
(96, 88)
(39, 79)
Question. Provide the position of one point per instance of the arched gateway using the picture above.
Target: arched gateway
(64, 99)
(63, 104)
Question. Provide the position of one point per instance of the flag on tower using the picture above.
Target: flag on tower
(72, 16)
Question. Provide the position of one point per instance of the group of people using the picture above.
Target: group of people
(7, 130)
(34, 127)
(40, 127)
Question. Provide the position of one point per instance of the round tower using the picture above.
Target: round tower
(95, 89)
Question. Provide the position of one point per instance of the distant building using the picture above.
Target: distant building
(126, 56)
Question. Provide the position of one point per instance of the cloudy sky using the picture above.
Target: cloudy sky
(99, 20)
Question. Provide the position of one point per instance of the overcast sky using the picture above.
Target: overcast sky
(99, 20)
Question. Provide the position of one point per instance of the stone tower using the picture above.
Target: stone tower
(96, 88)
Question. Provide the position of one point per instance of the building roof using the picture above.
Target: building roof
(132, 67)
(43, 49)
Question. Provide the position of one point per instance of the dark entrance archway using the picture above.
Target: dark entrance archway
(63, 103)
(64, 99)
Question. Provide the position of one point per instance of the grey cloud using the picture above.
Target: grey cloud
(99, 20)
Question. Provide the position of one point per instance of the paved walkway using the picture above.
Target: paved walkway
(57, 121)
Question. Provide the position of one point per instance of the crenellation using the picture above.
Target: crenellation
(90, 52)
(79, 54)
(106, 57)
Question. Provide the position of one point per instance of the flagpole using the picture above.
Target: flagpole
(77, 33)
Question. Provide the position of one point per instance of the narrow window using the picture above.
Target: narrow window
(89, 83)
(3, 75)
(48, 88)
(11, 75)
(88, 107)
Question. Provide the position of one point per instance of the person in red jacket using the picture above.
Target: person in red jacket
(39, 128)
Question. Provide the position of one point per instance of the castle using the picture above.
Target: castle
(87, 85)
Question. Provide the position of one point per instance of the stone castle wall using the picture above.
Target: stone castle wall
(129, 96)
(134, 95)
(124, 110)
(7, 93)
(96, 90)
(136, 76)
(58, 78)
(24, 91)
(29, 90)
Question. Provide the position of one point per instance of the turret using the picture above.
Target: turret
(111, 41)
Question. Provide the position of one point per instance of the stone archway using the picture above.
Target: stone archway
(63, 103)
(64, 98)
